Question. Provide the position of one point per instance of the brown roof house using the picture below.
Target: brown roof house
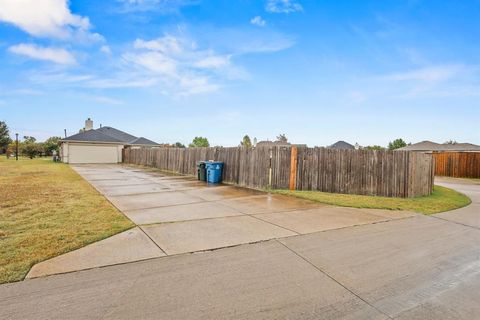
(102, 145)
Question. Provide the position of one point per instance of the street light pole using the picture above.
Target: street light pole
(16, 146)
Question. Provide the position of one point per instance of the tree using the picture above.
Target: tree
(450, 142)
(397, 143)
(282, 138)
(11, 149)
(29, 139)
(30, 148)
(4, 137)
(246, 142)
(179, 145)
(199, 142)
(50, 145)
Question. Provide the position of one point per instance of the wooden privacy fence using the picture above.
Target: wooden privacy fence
(457, 164)
(364, 172)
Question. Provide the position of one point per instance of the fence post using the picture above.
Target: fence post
(293, 167)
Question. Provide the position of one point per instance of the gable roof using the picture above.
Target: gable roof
(92, 136)
(117, 134)
(109, 135)
(433, 146)
(143, 141)
(421, 146)
(341, 145)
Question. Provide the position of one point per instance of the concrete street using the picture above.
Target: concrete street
(409, 267)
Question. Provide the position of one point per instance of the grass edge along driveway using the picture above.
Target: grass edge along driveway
(442, 199)
(47, 209)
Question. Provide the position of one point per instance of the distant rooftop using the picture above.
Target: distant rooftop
(342, 145)
(433, 146)
(272, 143)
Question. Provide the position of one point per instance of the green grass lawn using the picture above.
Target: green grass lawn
(47, 209)
(442, 199)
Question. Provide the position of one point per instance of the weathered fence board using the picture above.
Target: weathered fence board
(387, 173)
(364, 172)
(457, 164)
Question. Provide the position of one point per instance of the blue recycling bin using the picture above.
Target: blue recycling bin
(214, 171)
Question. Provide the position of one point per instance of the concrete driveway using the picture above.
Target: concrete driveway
(418, 267)
(178, 214)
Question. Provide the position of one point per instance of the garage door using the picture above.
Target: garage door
(93, 154)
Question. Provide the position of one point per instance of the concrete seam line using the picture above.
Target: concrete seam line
(332, 278)
(156, 244)
(454, 222)
(276, 225)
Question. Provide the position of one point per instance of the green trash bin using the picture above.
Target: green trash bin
(201, 171)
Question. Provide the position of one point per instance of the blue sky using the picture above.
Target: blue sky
(318, 71)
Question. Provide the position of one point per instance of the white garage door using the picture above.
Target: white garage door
(93, 154)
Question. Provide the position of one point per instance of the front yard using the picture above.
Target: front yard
(47, 209)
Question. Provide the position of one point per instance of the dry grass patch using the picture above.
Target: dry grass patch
(47, 209)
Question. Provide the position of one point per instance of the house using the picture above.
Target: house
(102, 145)
(268, 143)
(429, 146)
(342, 145)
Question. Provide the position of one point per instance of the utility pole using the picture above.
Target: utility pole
(16, 146)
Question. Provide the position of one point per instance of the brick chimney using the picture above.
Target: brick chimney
(88, 124)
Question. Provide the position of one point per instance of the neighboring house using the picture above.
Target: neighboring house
(102, 145)
(429, 146)
(267, 143)
(342, 145)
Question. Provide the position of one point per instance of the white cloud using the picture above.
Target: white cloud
(174, 65)
(105, 100)
(20, 92)
(57, 55)
(258, 21)
(120, 81)
(167, 44)
(179, 64)
(212, 62)
(436, 81)
(116, 80)
(196, 84)
(283, 6)
(433, 74)
(156, 62)
(162, 6)
(105, 49)
(47, 18)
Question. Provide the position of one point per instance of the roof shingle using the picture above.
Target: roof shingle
(92, 136)
(110, 135)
